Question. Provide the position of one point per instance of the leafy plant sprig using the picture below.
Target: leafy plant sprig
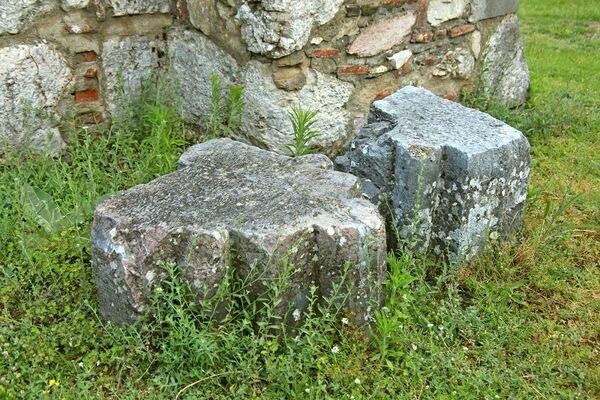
(302, 124)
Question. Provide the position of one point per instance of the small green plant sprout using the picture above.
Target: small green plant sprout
(302, 124)
(225, 116)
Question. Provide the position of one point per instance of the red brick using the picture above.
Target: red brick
(422, 37)
(422, 13)
(325, 53)
(452, 96)
(406, 68)
(461, 30)
(86, 96)
(429, 60)
(91, 73)
(89, 56)
(353, 70)
(182, 9)
(383, 94)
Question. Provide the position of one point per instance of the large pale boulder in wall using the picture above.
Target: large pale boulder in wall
(127, 62)
(505, 73)
(453, 175)
(193, 57)
(265, 116)
(33, 80)
(17, 15)
(276, 28)
(231, 197)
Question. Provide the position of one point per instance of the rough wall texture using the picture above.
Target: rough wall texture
(334, 55)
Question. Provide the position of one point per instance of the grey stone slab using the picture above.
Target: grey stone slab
(484, 9)
(453, 175)
(228, 197)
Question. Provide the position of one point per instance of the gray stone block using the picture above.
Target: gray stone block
(484, 9)
(453, 175)
(231, 197)
(505, 74)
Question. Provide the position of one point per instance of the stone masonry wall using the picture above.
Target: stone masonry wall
(338, 56)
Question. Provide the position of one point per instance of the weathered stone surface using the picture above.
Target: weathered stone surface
(127, 62)
(201, 12)
(261, 206)
(33, 79)
(383, 35)
(440, 11)
(265, 113)
(483, 9)
(276, 28)
(505, 73)
(132, 7)
(458, 63)
(16, 15)
(193, 58)
(453, 175)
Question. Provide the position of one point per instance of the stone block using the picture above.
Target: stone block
(440, 11)
(483, 9)
(227, 198)
(127, 62)
(34, 78)
(382, 35)
(400, 58)
(453, 175)
(505, 74)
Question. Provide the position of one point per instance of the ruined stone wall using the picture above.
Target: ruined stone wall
(337, 56)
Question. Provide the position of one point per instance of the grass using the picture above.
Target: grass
(520, 322)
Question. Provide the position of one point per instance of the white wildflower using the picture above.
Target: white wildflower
(335, 349)
(296, 314)
(357, 381)
(414, 347)
(430, 325)
(345, 321)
